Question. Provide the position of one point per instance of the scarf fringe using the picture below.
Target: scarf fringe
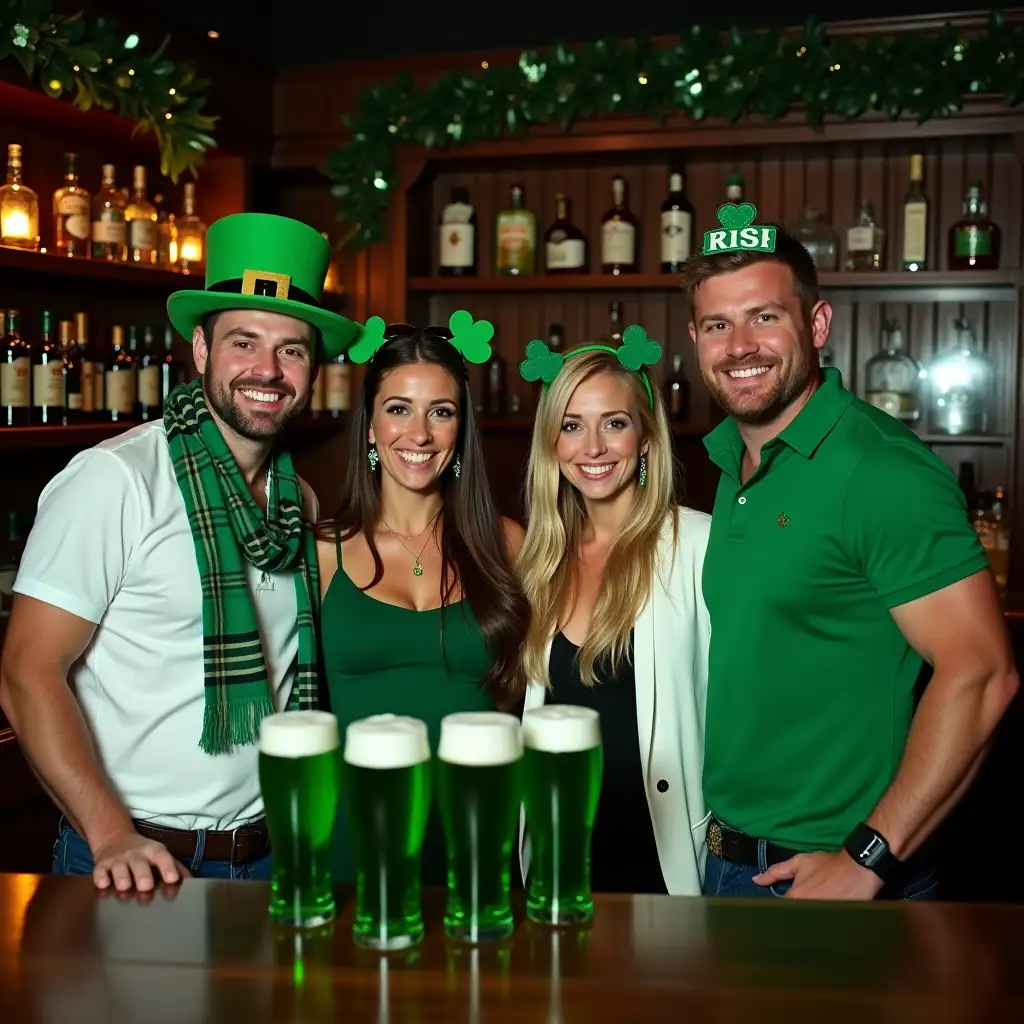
(233, 723)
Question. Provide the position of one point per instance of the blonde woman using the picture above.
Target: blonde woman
(611, 567)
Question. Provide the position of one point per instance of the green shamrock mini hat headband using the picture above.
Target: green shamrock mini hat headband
(635, 352)
(738, 232)
(472, 338)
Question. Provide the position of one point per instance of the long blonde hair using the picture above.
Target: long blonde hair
(547, 564)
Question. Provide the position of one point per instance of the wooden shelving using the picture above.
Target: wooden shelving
(658, 282)
(983, 440)
(47, 264)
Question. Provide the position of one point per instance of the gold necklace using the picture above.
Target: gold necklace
(417, 569)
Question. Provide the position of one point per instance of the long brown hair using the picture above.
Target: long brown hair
(473, 549)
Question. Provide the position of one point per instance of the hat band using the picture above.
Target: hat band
(266, 287)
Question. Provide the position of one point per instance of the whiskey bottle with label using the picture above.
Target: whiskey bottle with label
(89, 409)
(15, 375)
(71, 228)
(140, 215)
(19, 207)
(515, 236)
(338, 396)
(148, 376)
(565, 245)
(619, 230)
(915, 219)
(191, 235)
(171, 373)
(72, 375)
(676, 225)
(109, 234)
(893, 377)
(865, 241)
(120, 380)
(974, 240)
(48, 377)
(457, 236)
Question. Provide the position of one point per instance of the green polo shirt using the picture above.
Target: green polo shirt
(811, 683)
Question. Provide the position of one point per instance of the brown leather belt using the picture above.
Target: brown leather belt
(241, 845)
(741, 848)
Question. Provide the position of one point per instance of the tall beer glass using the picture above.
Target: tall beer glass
(562, 766)
(299, 777)
(479, 787)
(387, 793)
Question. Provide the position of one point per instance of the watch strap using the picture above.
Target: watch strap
(870, 850)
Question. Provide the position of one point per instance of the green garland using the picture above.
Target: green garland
(705, 74)
(104, 67)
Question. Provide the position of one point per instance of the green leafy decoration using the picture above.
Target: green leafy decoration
(540, 363)
(471, 337)
(371, 337)
(736, 215)
(637, 350)
(96, 64)
(703, 74)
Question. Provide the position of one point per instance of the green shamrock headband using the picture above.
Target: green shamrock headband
(472, 338)
(635, 352)
(738, 232)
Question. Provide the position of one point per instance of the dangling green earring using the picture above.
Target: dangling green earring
(373, 457)
(457, 467)
(643, 470)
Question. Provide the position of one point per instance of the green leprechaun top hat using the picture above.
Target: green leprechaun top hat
(262, 261)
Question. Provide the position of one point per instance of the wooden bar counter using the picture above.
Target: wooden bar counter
(206, 951)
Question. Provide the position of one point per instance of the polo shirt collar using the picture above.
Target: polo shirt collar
(812, 425)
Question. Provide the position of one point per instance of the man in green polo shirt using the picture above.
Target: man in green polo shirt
(841, 561)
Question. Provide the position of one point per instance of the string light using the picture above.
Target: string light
(213, 34)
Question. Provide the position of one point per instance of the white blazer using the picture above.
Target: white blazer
(670, 660)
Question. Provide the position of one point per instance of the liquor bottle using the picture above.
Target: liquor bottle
(677, 215)
(318, 396)
(497, 385)
(677, 392)
(974, 240)
(338, 399)
(72, 374)
(140, 217)
(819, 238)
(19, 207)
(170, 372)
(619, 229)
(994, 534)
(89, 408)
(966, 480)
(565, 246)
(191, 233)
(457, 236)
(71, 228)
(960, 384)
(915, 219)
(734, 188)
(166, 240)
(613, 336)
(556, 337)
(109, 234)
(48, 377)
(120, 380)
(893, 377)
(147, 374)
(515, 236)
(865, 241)
(15, 375)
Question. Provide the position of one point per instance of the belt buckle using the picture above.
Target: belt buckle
(234, 843)
(714, 839)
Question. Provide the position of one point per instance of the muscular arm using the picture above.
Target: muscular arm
(960, 631)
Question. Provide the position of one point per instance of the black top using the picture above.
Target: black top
(623, 854)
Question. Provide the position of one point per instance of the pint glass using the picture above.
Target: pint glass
(387, 794)
(562, 766)
(479, 759)
(298, 764)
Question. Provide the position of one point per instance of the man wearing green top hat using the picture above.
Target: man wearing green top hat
(172, 572)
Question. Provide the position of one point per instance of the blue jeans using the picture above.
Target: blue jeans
(726, 878)
(72, 856)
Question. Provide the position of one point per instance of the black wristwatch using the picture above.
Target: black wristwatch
(870, 850)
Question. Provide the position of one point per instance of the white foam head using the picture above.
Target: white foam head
(387, 741)
(480, 738)
(561, 729)
(299, 734)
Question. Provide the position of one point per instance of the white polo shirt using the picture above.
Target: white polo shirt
(111, 544)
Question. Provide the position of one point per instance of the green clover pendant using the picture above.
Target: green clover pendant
(417, 569)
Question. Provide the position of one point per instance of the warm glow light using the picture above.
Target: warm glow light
(15, 224)
(191, 250)
(173, 251)
(131, 71)
(172, 92)
(213, 34)
(168, 115)
(55, 84)
(484, 65)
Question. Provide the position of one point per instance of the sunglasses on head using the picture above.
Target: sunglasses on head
(399, 330)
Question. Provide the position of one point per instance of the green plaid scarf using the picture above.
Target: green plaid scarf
(227, 527)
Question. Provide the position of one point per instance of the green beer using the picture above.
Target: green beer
(562, 766)
(299, 780)
(479, 788)
(387, 793)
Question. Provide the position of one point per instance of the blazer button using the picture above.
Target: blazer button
(662, 786)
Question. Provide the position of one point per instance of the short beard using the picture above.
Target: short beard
(222, 402)
(786, 390)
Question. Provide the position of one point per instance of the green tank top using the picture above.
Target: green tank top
(379, 658)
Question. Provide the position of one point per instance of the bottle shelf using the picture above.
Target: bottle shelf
(986, 440)
(49, 264)
(865, 280)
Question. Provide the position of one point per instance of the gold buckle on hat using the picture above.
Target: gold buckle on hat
(264, 282)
